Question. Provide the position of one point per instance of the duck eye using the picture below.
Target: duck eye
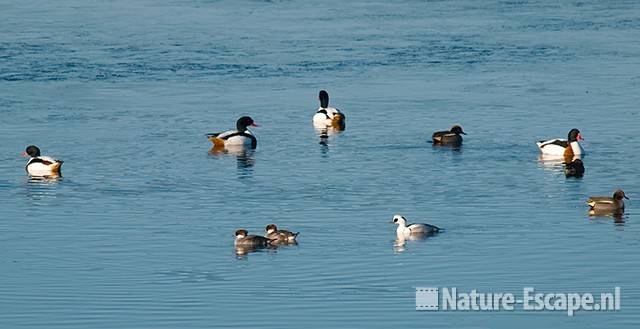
(395, 220)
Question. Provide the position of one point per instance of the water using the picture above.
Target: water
(138, 232)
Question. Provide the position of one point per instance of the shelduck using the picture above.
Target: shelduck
(39, 165)
(241, 137)
(327, 116)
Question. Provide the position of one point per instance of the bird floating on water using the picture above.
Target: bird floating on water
(39, 165)
(448, 137)
(240, 137)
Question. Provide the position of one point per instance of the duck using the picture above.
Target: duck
(574, 168)
(241, 137)
(448, 137)
(280, 236)
(567, 148)
(243, 239)
(328, 116)
(407, 230)
(599, 205)
(39, 165)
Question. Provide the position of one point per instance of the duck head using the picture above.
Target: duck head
(457, 130)
(399, 220)
(619, 195)
(324, 99)
(574, 135)
(32, 151)
(245, 122)
(271, 228)
(241, 233)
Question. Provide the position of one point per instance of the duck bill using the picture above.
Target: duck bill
(254, 125)
(626, 197)
(462, 132)
(579, 137)
(24, 154)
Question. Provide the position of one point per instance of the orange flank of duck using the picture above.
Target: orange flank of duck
(56, 167)
(338, 120)
(217, 142)
(568, 152)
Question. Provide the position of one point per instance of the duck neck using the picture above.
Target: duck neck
(324, 102)
(576, 148)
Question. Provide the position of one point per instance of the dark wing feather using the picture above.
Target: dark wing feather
(40, 160)
(437, 136)
(558, 142)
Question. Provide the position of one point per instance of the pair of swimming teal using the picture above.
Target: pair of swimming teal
(273, 237)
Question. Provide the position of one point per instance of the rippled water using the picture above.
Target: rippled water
(139, 231)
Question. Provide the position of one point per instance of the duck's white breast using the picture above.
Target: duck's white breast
(577, 148)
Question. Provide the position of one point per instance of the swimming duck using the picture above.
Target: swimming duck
(569, 147)
(242, 239)
(39, 165)
(607, 205)
(448, 137)
(281, 236)
(574, 168)
(328, 116)
(242, 136)
(405, 230)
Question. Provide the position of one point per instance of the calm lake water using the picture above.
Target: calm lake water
(139, 231)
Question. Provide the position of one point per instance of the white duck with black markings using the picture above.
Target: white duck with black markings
(405, 230)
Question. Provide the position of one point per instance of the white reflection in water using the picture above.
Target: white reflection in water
(245, 159)
(618, 218)
(399, 244)
(555, 162)
(42, 188)
(242, 252)
(326, 134)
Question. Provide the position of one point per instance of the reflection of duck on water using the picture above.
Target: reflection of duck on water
(244, 157)
(574, 168)
(557, 162)
(326, 132)
(399, 244)
(48, 179)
